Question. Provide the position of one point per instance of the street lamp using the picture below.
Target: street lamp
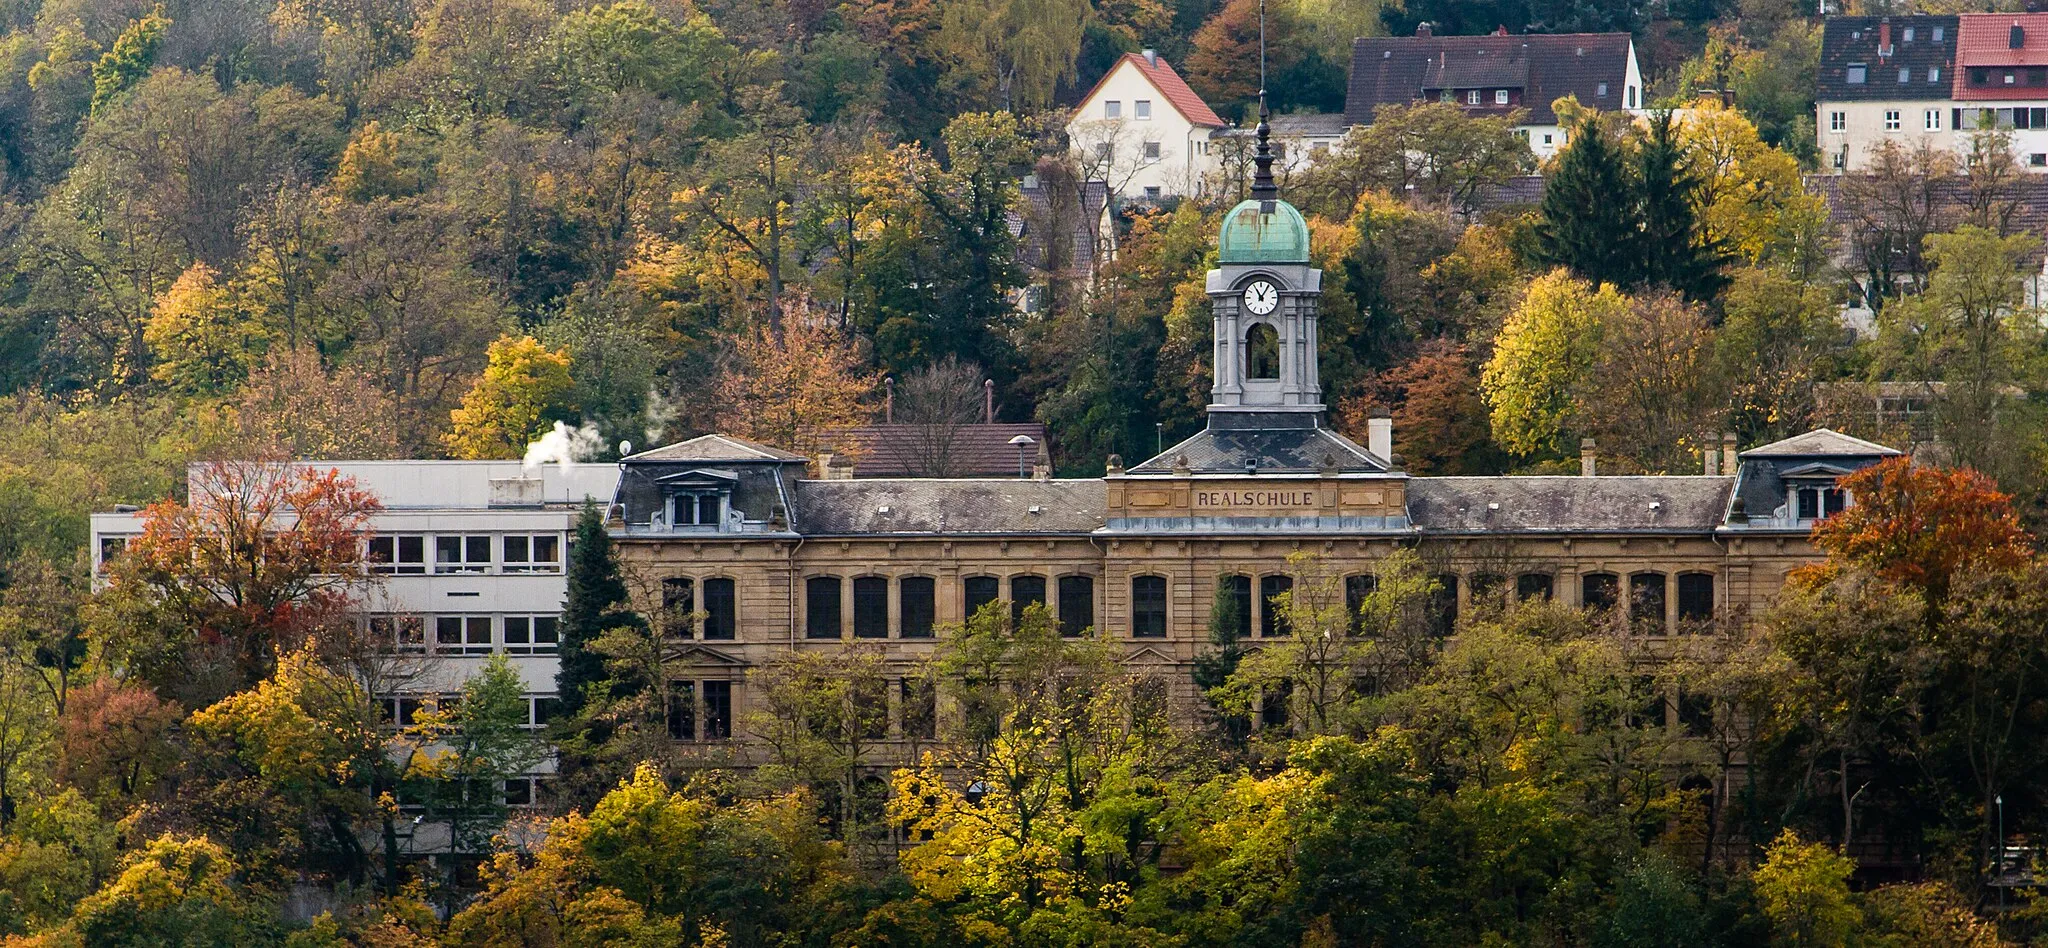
(1023, 443)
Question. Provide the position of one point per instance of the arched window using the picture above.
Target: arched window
(1261, 352)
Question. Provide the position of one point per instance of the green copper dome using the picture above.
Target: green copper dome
(1252, 237)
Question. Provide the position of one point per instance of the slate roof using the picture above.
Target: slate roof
(1820, 442)
(1275, 450)
(1522, 190)
(1854, 39)
(950, 507)
(1662, 504)
(1397, 69)
(1170, 85)
(1030, 220)
(716, 447)
(970, 450)
(2027, 192)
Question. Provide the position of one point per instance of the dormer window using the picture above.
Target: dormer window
(693, 509)
(1856, 74)
(1819, 503)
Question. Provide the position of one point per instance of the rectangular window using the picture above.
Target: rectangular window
(532, 635)
(978, 592)
(399, 633)
(462, 635)
(1908, 34)
(519, 791)
(1234, 602)
(721, 610)
(1077, 604)
(1148, 607)
(462, 554)
(717, 710)
(682, 710)
(2037, 118)
(111, 549)
(1152, 192)
(1546, 138)
(1695, 597)
(1905, 74)
(1141, 110)
(920, 709)
(1933, 120)
(1025, 591)
(1472, 97)
(1530, 586)
(1891, 120)
(1934, 74)
(1500, 97)
(1151, 151)
(1855, 74)
(405, 554)
(918, 605)
(2037, 160)
(1937, 34)
(1112, 109)
(1273, 704)
(821, 607)
(2010, 77)
(1601, 90)
(1979, 77)
(2019, 118)
(1838, 121)
(678, 607)
(1631, 97)
(1598, 591)
(1443, 604)
(1273, 618)
(871, 607)
(539, 553)
(1646, 603)
(1955, 119)
(1357, 589)
(698, 510)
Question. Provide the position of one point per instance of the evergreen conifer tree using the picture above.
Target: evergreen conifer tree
(1591, 219)
(597, 603)
(1673, 250)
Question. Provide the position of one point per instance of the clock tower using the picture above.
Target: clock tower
(1263, 295)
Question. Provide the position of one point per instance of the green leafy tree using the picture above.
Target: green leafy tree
(133, 54)
(1591, 218)
(1804, 888)
(467, 754)
(1546, 352)
(1674, 248)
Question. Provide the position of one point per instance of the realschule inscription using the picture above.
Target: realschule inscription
(1255, 498)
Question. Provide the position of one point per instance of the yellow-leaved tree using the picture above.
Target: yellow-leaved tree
(524, 389)
(202, 335)
(1542, 358)
(1752, 198)
(789, 389)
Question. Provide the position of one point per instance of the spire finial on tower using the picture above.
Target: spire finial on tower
(1263, 189)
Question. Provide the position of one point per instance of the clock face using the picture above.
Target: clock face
(1261, 298)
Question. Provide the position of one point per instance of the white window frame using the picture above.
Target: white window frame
(1141, 109)
(388, 632)
(1892, 122)
(528, 560)
(467, 626)
(465, 547)
(1838, 121)
(529, 633)
(1112, 109)
(696, 509)
(1472, 97)
(1932, 120)
(1500, 97)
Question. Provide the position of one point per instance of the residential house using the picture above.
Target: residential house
(1495, 75)
(1144, 132)
(1885, 78)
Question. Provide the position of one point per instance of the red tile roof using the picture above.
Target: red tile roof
(908, 450)
(1170, 85)
(1984, 41)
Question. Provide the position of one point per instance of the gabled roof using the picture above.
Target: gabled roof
(1821, 443)
(949, 507)
(908, 450)
(1171, 87)
(1396, 70)
(1855, 39)
(1986, 40)
(1268, 450)
(716, 447)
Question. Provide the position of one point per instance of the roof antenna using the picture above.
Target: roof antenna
(1263, 188)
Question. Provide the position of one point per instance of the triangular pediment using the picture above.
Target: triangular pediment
(1147, 655)
(705, 655)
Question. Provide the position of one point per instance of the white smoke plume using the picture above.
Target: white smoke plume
(661, 412)
(565, 446)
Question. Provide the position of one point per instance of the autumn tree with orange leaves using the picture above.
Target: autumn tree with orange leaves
(260, 558)
(786, 388)
(1914, 691)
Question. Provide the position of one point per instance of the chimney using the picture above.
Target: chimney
(1728, 453)
(1588, 457)
(1152, 58)
(824, 465)
(988, 401)
(1712, 459)
(1379, 438)
(1043, 469)
(2019, 37)
(1422, 29)
(889, 401)
(1884, 37)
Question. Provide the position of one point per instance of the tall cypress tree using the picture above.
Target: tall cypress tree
(1674, 251)
(1591, 218)
(597, 604)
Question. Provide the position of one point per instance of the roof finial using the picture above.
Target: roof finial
(1263, 188)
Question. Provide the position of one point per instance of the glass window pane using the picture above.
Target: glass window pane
(678, 605)
(682, 710)
(979, 592)
(1272, 617)
(821, 607)
(919, 606)
(721, 619)
(544, 632)
(871, 607)
(1534, 586)
(717, 710)
(1646, 602)
(1695, 597)
(1025, 591)
(547, 549)
(516, 550)
(1234, 605)
(707, 510)
(1148, 607)
(479, 549)
(1599, 590)
(1077, 604)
